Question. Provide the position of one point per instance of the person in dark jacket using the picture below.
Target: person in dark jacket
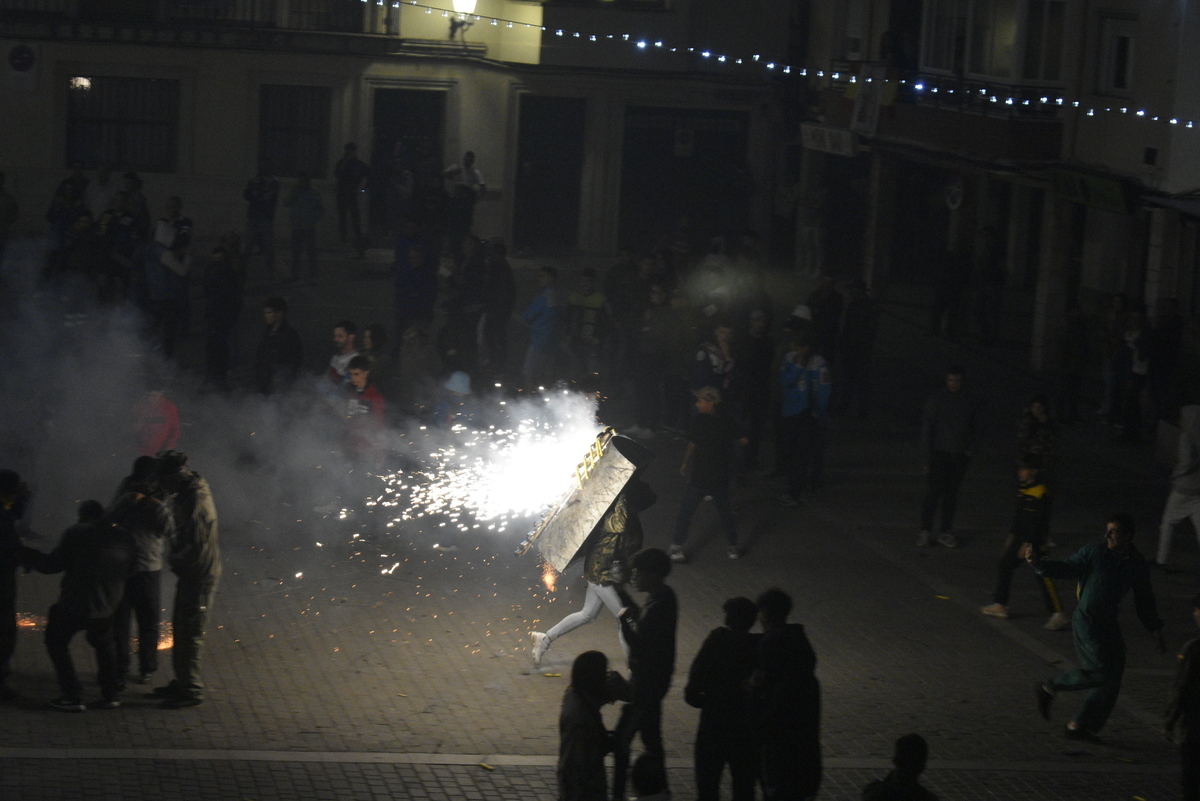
(224, 296)
(195, 559)
(1031, 525)
(96, 557)
(14, 494)
(719, 686)
(901, 784)
(280, 354)
(608, 550)
(1106, 572)
(789, 694)
(499, 298)
(582, 739)
(1183, 710)
(649, 630)
(261, 195)
(139, 506)
(949, 433)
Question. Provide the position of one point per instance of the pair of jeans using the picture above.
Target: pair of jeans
(946, 471)
(717, 746)
(63, 624)
(143, 602)
(194, 593)
(691, 499)
(643, 714)
(598, 596)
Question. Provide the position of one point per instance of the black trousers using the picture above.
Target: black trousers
(946, 471)
(143, 602)
(1189, 753)
(1010, 560)
(717, 745)
(643, 714)
(61, 626)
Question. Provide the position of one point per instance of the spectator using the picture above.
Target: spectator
(1030, 526)
(224, 288)
(826, 303)
(656, 347)
(1183, 710)
(583, 741)
(805, 417)
(157, 423)
(790, 697)
(195, 559)
(606, 556)
(587, 324)
(466, 174)
(96, 558)
(949, 432)
(714, 363)
(859, 329)
(717, 685)
(627, 297)
(14, 495)
(139, 506)
(374, 347)
(754, 354)
(102, 194)
(1133, 366)
(280, 354)
(901, 784)
(709, 456)
(1106, 572)
(1037, 434)
(262, 195)
(306, 207)
(345, 335)
(167, 266)
(351, 175)
(650, 632)
(1183, 502)
(364, 415)
(544, 316)
(499, 298)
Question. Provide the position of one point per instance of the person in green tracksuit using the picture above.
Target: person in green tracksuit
(1106, 572)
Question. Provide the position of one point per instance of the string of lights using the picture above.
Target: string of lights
(918, 85)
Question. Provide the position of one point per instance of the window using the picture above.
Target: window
(130, 123)
(293, 129)
(1043, 40)
(995, 38)
(1116, 55)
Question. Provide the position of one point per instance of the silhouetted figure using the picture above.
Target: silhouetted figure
(261, 195)
(14, 495)
(826, 303)
(790, 698)
(1183, 502)
(901, 784)
(304, 203)
(949, 433)
(582, 739)
(1183, 710)
(351, 175)
(650, 632)
(499, 298)
(280, 354)
(224, 290)
(719, 686)
(860, 326)
(96, 558)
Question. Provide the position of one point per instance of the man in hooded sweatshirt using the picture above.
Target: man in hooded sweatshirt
(1184, 500)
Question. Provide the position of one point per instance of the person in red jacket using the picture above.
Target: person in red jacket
(157, 424)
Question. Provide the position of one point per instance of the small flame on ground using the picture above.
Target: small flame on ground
(549, 576)
(25, 620)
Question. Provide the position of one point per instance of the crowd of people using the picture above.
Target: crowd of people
(161, 515)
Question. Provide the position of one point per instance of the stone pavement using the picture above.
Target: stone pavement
(330, 678)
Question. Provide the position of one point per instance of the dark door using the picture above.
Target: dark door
(681, 163)
(408, 126)
(549, 173)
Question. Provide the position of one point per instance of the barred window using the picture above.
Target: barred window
(130, 123)
(293, 130)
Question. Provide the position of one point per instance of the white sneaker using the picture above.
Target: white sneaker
(924, 539)
(541, 644)
(1058, 622)
(734, 552)
(676, 553)
(947, 540)
(995, 610)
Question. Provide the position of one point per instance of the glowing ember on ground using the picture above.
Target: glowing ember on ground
(166, 637)
(25, 620)
(549, 576)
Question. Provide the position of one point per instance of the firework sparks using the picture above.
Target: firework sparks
(549, 576)
(30, 622)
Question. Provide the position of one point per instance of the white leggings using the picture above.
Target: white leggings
(597, 596)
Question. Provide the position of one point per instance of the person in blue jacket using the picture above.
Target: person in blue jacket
(1106, 572)
(806, 391)
(545, 317)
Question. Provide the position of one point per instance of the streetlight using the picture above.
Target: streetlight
(463, 9)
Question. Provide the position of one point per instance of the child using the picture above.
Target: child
(710, 455)
(1031, 524)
